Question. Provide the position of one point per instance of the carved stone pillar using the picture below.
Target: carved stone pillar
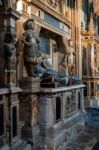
(29, 109)
(8, 54)
(92, 60)
(97, 55)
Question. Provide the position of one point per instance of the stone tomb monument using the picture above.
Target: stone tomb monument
(51, 114)
(61, 114)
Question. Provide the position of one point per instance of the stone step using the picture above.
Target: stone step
(22, 146)
(4, 147)
(91, 115)
(92, 109)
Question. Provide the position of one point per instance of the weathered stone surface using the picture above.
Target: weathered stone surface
(54, 134)
(29, 112)
(30, 84)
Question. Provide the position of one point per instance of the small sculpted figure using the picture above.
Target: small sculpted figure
(10, 51)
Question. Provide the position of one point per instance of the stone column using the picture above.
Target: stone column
(2, 32)
(10, 51)
(46, 111)
(92, 60)
(29, 109)
(97, 55)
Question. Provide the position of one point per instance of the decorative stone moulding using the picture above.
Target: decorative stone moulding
(53, 3)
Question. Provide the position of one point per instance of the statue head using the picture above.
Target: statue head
(29, 25)
(70, 43)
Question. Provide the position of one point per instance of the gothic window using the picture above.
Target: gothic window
(58, 108)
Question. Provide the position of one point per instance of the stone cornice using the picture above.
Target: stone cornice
(90, 78)
(61, 89)
(50, 27)
(13, 90)
(47, 9)
(53, 90)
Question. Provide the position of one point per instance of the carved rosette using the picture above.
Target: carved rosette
(53, 3)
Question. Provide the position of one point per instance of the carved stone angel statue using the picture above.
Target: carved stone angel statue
(32, 48)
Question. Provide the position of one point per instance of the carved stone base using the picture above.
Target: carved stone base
(30, 83)
(29, 111)
(22, 145)
(56, 138)
(4, 147)
(30, 134)
(10, 78)
(61, 116)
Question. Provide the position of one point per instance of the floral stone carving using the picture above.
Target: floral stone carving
(53, 3)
